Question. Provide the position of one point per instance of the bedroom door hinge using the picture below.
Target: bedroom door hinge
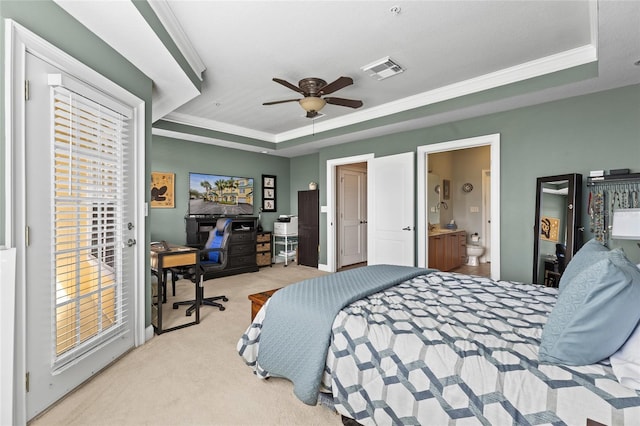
(26, 381)
(26, 90)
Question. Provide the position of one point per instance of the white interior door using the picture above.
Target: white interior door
(79, 214)
(391, 234)
(352, 217)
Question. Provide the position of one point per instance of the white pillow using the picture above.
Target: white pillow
(626, 361)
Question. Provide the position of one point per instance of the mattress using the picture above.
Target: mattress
(447, 348)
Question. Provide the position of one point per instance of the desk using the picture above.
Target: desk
(551, 273)
(162, 259)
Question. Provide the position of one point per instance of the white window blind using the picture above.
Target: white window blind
(89, 145)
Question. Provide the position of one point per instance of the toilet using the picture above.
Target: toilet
(474, 250)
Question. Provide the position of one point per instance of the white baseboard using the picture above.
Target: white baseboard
(148, 333)
(324, 268)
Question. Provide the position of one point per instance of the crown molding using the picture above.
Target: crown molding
(536, 68)
(163, 10)
(189, 120)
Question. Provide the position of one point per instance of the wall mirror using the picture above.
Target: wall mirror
(433, 197)
(557, 230)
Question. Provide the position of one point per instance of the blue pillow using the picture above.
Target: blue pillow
(588, 254)
(595, 315)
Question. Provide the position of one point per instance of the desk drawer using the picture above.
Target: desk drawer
(263, 247)
(263, 238)
(172, 260)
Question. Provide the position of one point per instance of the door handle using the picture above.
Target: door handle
(131, 242)
(407, 228)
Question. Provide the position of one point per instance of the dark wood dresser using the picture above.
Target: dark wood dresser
(242, 246)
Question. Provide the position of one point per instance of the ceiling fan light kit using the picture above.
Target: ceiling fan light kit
(313, 89)
(312, 103)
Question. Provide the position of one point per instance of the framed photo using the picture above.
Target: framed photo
(268, 193)
(162, 190)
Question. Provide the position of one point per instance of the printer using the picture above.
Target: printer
(286, 225)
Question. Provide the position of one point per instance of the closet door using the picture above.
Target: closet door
(308, 227)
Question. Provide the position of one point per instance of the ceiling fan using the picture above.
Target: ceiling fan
(313, 89)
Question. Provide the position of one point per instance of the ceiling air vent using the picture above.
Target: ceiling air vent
(382, 68)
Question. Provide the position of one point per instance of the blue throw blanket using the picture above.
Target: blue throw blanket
(296, 330)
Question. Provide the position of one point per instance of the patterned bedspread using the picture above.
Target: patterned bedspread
(446, 348)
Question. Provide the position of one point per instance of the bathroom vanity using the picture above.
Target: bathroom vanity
(447, 249)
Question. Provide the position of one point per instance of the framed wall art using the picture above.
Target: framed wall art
(162, 190)
(268, 193)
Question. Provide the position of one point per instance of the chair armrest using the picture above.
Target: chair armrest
(204, 253)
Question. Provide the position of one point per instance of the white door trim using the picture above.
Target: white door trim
(330, 208)
(19, 40)
(486, 216)
(493, 141)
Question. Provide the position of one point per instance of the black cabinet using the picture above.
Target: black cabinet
(242, 244)
(308, 227)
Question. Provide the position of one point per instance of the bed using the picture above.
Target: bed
(432, 348)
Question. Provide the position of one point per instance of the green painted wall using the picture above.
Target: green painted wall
(181, 157)
(53, 24)
(598, 131)
(306, 170)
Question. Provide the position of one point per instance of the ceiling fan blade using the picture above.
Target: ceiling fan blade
(289, 85)
(351, 103)
(336, 85)
(281, 102)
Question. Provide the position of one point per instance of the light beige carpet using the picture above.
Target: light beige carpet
(194, 376)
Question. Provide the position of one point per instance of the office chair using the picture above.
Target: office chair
(213, 258)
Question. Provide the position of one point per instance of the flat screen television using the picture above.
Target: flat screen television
(220, 195)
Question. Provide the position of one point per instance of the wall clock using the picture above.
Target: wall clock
(467, 187)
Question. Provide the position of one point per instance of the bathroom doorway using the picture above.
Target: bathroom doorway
(351, 217)
(470, 207)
